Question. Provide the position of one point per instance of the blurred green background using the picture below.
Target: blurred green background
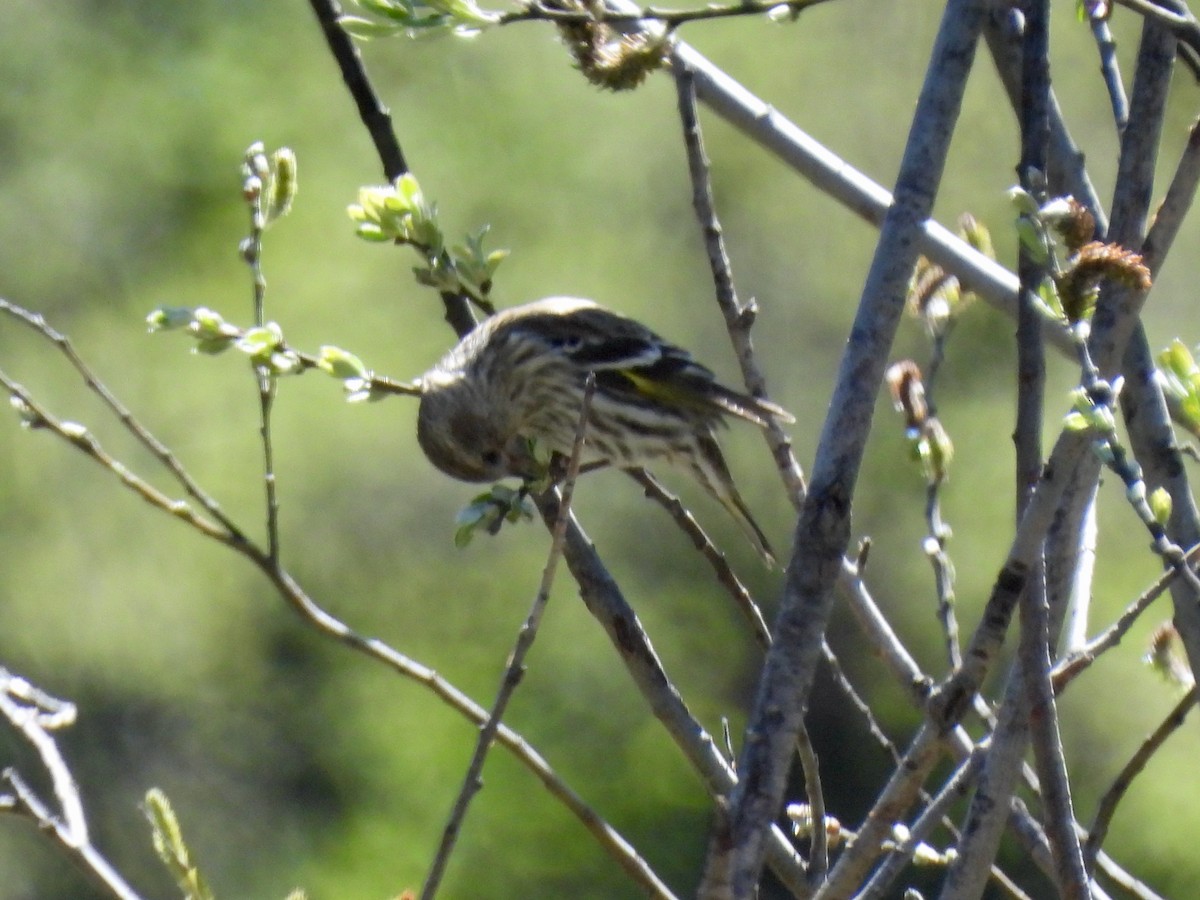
(292, 762)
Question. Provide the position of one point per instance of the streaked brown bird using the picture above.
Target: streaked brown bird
(519, 377)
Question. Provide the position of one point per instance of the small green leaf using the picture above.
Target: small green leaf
(167, 318)
(1022, 201)
(408, 189)
(1160, 505)
(1048, 300)
(489, 511)
(495, 258)
(259, 343)
(170, 846)
(213, 334)
(396, 10)
(282, 185)
(341, 364)
(1178, 360)
(369, 231)
(212, 346)
(1033, 240)
(1075, 421)
(207, 318)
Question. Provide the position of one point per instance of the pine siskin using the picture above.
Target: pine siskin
(519, 377)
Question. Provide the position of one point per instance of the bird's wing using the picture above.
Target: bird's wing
(630, 359)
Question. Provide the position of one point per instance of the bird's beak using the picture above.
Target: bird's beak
(520, 461)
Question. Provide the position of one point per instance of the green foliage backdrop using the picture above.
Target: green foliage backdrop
(294, 763)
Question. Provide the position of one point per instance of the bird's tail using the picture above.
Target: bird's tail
(713, 473)
(753, 409)
(737, 508)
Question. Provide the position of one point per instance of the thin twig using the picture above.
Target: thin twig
(671, 18)
(1046, 740)
(939, 532)
(1073, 664)
(1112, 797)
(1110, 69)
(943, 573)
(739, 317)
(378, 121)
(252, 248)
(1034, 642)
(724, 573)
(818, 863)
(34, 714)
(156, 447)
(36, 417)
(955, 788)
(23, 800)
(1071, 562)
(514, 672)
(371, 110)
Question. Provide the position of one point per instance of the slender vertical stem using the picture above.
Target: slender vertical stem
(255, 171)
(822, 534)
(739, 317)
(374, 114)
(515, 669)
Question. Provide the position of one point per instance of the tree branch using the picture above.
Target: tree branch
(737, 847)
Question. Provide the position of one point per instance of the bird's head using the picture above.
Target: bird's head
(463, 433)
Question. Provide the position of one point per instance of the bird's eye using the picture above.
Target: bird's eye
(491, 458)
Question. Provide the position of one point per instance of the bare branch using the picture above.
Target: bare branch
(822, 533)
(36, 417)
(371, 110)
(158, 449)
(1110, 69)
(739, 317)
(514, 671)
(671, 18)
(725, 575)
(604, 600)
(1072, 665)
(34, 714)
(252, 248)
(1113, 796)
